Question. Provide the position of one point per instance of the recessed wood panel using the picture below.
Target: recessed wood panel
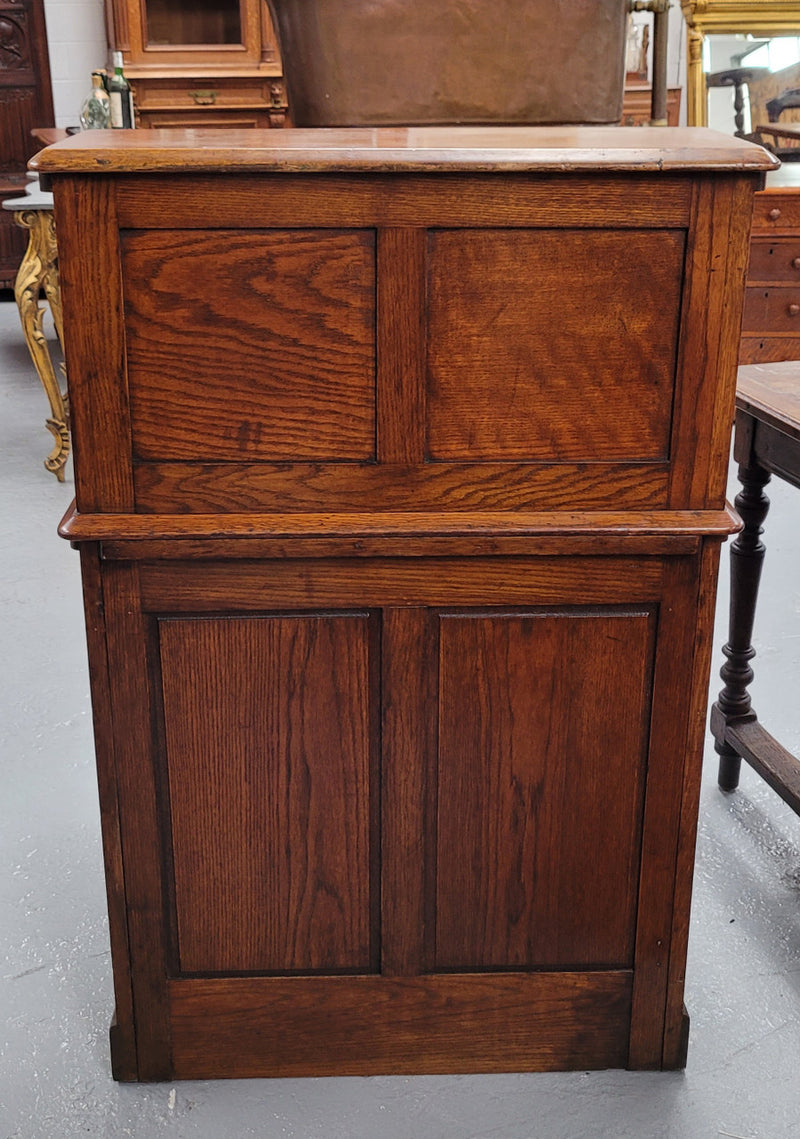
(542, 748)
(555, 345)
(255, 344)
(268, 753)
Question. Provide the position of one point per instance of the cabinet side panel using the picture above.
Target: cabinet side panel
(268, 752)
(542, 741)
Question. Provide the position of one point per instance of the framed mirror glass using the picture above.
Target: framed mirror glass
(741, 56)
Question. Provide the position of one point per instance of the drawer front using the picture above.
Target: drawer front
(219, 92)
(776, 211)
(775, 309)
(775, 260)
(210, 118)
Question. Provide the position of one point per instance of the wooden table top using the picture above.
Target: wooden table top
(771, 392)
(422, 149)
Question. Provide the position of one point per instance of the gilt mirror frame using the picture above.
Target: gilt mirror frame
(731, 17)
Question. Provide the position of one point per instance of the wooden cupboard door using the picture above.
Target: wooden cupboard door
(254, 344)
(269, 755)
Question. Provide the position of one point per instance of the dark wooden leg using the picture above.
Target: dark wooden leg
(747, 556)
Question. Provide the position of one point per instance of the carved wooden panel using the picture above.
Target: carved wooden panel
(271, 332)
(282, 761)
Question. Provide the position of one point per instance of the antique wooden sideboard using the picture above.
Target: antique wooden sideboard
(400, 461)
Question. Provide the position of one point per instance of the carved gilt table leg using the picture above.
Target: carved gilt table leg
(38, 272)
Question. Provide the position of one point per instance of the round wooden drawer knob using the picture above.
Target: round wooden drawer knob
(774, 214)
(796, 263)
(793, 310)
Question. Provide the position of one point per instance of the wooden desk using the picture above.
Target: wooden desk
(400, 462)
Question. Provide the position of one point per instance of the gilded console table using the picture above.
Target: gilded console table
(37, 274)
(400, 460)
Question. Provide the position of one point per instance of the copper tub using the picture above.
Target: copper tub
(409, 62)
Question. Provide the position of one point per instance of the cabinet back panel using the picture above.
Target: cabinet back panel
(271, 332)
(554, 345)
(539, 825)
(268, 754)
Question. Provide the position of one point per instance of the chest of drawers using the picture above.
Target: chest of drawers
(400, 466)
(771, 317)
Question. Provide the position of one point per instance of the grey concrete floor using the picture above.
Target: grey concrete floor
(743, 978)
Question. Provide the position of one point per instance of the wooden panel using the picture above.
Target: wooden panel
(180, 587)
(268, 750)
(286, 198)
(538, 827)
(339, 1026)
(271, 332)
(533, 336)
(205, 488)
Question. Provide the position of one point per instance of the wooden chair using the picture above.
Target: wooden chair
(766, 443)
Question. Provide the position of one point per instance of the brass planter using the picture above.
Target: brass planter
(407, 62)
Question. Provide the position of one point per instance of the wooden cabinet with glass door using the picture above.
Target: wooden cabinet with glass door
(211, 63)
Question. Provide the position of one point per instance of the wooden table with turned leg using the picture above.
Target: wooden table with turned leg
(766, 443)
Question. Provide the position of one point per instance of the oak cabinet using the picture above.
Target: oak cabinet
(400, 467)
(213, 64)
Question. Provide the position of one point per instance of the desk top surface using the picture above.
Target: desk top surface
(771, 392)
(404, 149)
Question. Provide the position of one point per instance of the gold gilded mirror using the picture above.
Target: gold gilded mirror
(740, 35)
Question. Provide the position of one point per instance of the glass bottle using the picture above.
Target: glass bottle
(96, 109)
(119, 93)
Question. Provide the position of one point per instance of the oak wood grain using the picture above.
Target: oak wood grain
(326, 1026)
(282, 763)
(409, 201)
(558, 149)
(94, 343)
(207, 587)
(534, 335)
(251, 344)
(523, 699)
(163, 488)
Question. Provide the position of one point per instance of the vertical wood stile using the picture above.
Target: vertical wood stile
(140, 829)
(672, 688)
(95, 343)
(408, 814)
(401, 346)
(674, 1038)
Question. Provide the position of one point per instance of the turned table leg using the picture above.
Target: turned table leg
(746, 559)
(39, 271)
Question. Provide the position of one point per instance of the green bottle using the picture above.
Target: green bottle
(119, 94)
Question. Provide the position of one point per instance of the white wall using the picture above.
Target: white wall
(76, 36)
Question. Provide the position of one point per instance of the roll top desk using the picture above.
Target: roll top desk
(400, 460)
